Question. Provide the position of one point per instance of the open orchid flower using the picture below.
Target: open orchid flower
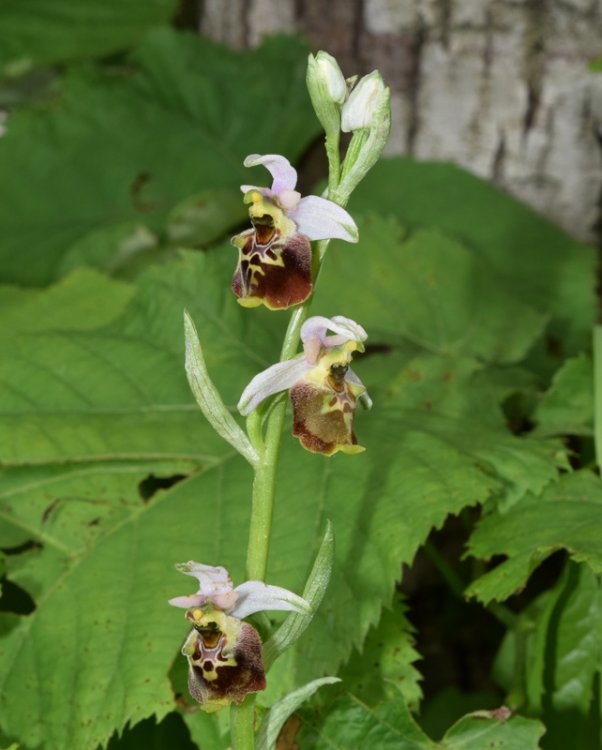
(215, 588)
(274, 265)
(323, 389)
(224, 654)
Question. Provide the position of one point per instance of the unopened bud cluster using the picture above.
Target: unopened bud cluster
(359, 107)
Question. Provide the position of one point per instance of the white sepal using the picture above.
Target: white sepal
(278, 377)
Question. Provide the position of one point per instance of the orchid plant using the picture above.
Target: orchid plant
(279, 260)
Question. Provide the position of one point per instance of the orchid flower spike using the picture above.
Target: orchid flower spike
(224, 654)
(274, 264)
(322, 387)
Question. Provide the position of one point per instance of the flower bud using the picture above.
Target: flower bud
(327, 68)
(364, 102)
(327, 90)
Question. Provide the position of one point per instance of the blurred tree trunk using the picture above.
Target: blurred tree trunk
(501, 87)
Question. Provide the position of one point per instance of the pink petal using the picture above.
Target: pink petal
(321, 219)
(225, 601)
(211, 578)
(187, 601)
(344, 329)
(283, 174)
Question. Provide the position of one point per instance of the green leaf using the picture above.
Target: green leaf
(483, 729)
(169, 733)
(101, 641)
(176, 122)
(209, 731)
(44, 32)
(450, 704)
(384, 668)
(442, 296)
(208, 398)
(567, 643)
(120, 390)
(205, 218)
(275, 718)
(550, 659)
(567, 407)
(315, 587)
(531, 258)
(71, 305)
(567, 515)
(351, 724)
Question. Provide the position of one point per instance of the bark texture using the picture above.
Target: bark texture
(500, 87)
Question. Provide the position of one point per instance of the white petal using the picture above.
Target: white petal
(321, 219)
(364, 397)
(283, 174)
(256, 596)
(347, 330)
(187, 601)
(278, 377)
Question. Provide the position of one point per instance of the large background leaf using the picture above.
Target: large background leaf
(48, 31)
(127, 144)
(530, 257)
(116, 396)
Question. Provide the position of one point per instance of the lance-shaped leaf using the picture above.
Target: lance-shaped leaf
(274, 720)
(313, 593)
(208, 397)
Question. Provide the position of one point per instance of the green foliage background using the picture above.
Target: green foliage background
(480, 316)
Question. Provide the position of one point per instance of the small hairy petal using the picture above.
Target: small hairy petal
(321, 219)
(284, 175)
(256, 596)
(278, 377)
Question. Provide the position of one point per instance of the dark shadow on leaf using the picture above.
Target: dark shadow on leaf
(152, 484)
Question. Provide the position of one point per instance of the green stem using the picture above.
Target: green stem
(264, 484)
(242, 718)
(268, 448)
